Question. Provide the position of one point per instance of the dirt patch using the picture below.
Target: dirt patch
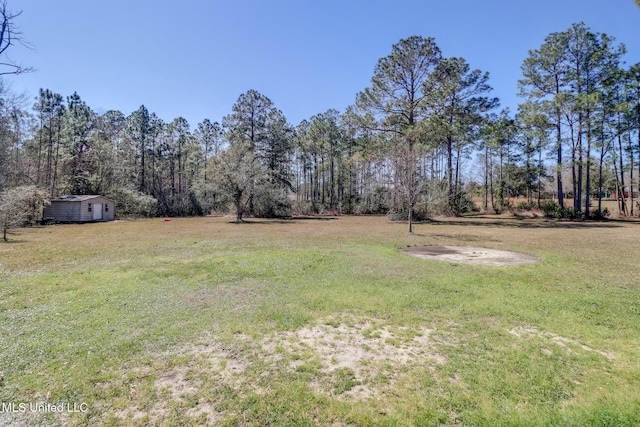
(357, 358)
(470, 255)
(177, 385)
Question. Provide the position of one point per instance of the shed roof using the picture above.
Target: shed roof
(73, 198)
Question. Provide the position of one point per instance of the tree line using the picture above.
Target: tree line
(424, 138)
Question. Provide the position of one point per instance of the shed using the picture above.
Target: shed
(79, 209)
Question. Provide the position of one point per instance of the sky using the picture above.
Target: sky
(194, 58)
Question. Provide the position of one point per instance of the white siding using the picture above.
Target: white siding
(85, 214)
(63, 211)
(78, 211)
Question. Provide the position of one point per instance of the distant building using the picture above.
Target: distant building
(79, 209)
(623, 194)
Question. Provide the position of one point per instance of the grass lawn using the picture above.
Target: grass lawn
(200, 321)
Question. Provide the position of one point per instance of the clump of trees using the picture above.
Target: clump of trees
(428, 110)
(424, 138)
(584, 105)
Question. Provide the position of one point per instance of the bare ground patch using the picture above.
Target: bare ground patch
(353, 358)
(357, 358)
(180, 380)
(470, 255)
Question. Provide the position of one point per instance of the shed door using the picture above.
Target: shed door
(97, 211)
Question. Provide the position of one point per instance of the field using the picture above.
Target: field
(319, 321)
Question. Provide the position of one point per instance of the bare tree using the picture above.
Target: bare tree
(10, 35)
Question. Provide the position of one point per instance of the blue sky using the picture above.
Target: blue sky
(194, 58)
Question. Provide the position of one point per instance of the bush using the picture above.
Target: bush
(569, 213)
(524, 205)
(462, 203)
(376, 202)
(604, 214)
(551, 209)
(306, 207)
(420, 213)
(205, 199)
(21, 206)
(133, 204)
(270, 202)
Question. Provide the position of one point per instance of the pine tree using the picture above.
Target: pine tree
(396, 102)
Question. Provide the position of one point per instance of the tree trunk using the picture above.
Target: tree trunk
(574, 162)
(631, 166)
(623, 204)
(142, 186)
(587, 200)
(486, 179)
(600, 166)
(55, 163)
(501, 179)
(450, 170)
(559, 164)
(153, 169)
(39, 162)
(539, 174)
(529, 172)
(577, 196)
(491, 189)
(456, 183)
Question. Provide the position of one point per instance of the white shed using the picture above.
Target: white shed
(79, 209)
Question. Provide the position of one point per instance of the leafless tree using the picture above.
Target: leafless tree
(10, 35)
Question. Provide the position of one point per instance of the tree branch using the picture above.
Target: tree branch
(9, 36)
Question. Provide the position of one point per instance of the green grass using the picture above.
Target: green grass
(308, 322)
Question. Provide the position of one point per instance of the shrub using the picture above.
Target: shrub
(130, 203)
(402, 214)
(303, 207)
(462, 203)
(551, 209)
(603, 214)
(523, 205)
(570, 213)
(375, 202)
(21, 206)
(270, 202)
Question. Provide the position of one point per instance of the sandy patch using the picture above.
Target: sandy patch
(470, 255)
(349, 358)
(355, 357)
(180, 382)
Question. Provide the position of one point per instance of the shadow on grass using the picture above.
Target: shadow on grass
(525, 223)
(287, 220)
(13, 236)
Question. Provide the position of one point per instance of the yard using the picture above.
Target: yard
(319, 321)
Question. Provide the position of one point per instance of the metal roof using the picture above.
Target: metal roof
(72, 198)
